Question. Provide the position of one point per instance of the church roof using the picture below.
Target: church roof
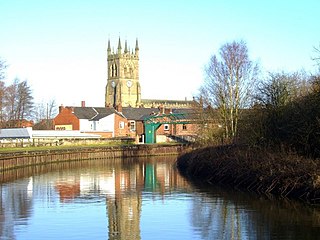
(165, 102)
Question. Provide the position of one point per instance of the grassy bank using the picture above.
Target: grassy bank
(45, 148)
(255, 169)
(10, 150)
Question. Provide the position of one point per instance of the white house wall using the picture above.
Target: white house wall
(106, 124)
(86, 125)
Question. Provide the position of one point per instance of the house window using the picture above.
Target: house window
(166, 127)
(184, 127)
(132, 126)
(121, 125)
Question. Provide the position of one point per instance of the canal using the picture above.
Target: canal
(141, 198)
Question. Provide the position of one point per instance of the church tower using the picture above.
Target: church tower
(123, 86)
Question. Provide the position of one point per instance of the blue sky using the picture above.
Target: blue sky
(59, 46)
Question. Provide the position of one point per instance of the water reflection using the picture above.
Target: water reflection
(139, 199)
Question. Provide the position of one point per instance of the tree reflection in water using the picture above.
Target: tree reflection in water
(219, 213)
(141, 199)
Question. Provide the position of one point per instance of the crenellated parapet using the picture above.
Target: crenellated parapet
(126, 52)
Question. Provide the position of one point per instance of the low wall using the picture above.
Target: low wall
(39, 142)
(28, 158)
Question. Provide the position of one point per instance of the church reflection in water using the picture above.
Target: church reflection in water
(124, 204)
(120, 182)
(132, 197)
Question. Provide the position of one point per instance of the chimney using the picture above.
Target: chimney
(168, 110)
(60, 108)
(161, 109)
(119, 108)
(83, 103)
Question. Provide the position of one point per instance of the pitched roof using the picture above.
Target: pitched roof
(167, 102)
(103, 112)
(84, 112)
(138, 113)
(97, 113)
(16, 133)
(93, 113)
(183, 110)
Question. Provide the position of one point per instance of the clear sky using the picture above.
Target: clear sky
(60, 46)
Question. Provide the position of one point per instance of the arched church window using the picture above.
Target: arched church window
(115, 70)
(131, 72)
(125, 69)
(111, 71)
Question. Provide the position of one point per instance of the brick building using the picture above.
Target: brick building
(106, 121)
(124, 112)
(120, 122)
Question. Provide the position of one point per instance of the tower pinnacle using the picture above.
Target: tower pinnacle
(119, 46)
(137, 47)
(125, 47)
(109, 47)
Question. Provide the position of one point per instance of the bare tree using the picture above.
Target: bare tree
(10, 102)
(2, 103)
(3, 66)
(39, 112)
(281, 88)
(44, 113)
(51, 109)
(24, 101)
(230, 78)
(2, 91)
(18, 102)
(316, 58)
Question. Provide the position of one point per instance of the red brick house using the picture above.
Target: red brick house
(104, 121)
(135, 118)
(120, 122)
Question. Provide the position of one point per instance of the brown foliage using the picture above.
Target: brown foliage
(281, 173)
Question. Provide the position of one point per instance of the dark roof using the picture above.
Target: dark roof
(138, 113)
(97, 113)
(186, 113)
(183, 110)
(92, 113)
(103, 112)
(84, 112)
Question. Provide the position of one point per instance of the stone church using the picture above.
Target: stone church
(123, 86)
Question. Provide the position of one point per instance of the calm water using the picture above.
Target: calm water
(139, 199)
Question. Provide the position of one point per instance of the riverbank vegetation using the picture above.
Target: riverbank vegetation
(255, 169)
(268, 143)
